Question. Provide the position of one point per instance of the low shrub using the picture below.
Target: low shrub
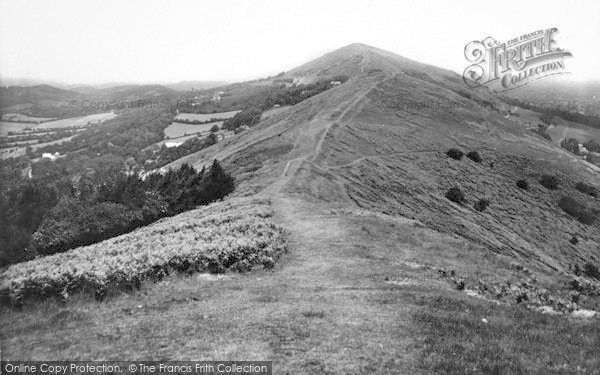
(474, 155)
(523, 184)
(455, 153)
(574, 240)
(455, 195)
(482, 204)
(590, 270)
(549, 182)
(586, 189)
(577, 210)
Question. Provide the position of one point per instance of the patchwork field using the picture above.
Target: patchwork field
(19, 151)
(39, 130)
(77, 121)
(178, 129)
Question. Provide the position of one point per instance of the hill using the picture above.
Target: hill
(388, 268)
(16, 95)
(378, 142)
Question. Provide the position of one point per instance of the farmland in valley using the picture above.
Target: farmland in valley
(13, 152)
(18, 117)
(36, 135)
(77, 121)
(6, 127)
(206, 117)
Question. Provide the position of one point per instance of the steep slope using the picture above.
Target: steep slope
(379, 141)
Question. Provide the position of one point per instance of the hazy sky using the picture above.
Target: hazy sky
(107, 41)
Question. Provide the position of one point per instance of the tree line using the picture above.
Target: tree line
(50, 215)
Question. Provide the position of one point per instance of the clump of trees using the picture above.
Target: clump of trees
(592, 146)
(248, 117)
(455, 153)
(571, 145)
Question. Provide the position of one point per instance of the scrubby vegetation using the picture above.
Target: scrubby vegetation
(156, 158)
(50, 214)
(587, 189)
(455, 195)
(549, 182)
(455, 153)
(236, 234)
(474, 155)
(591, 270)
(571, 145)
(248, 117)
(577, 210)
(523, 184)
(542, 130)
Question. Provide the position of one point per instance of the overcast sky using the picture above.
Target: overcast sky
(166, 41)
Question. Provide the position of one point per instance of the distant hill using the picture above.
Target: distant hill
(195, 85)
(15, 95)
(132, 92)
(563, 94)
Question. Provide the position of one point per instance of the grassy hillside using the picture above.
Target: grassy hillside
(384, 273)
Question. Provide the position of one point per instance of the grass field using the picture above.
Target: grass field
(6, 126)
(206, 117)
(78, 121)
(178, 129)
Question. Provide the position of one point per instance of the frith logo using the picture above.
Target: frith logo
(515, 63)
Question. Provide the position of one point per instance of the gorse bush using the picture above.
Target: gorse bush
(590, 270)
(455, 195)
(549, 182)
(455, 153)
(576, 209)
(482, 204)
(586, 189)
(523, 184)
(474, 155)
